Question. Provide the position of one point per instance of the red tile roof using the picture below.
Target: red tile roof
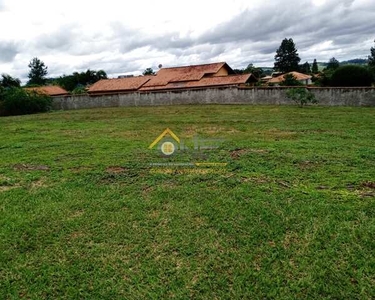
(51, 90)
(297, 75)
(197, 76)
(187, 73)
(119, 85)
(204, 82)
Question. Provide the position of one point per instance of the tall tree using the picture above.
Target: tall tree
(251, 69)
(148, 71)
(8, 81)
(306, 68)
(315, 68)
(371, 58)
(38, 72)
(333, 64)
(287, 58)
(70, 82)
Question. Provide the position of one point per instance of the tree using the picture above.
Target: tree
(79, 80)
(8, 81)
(19, 101)
(148, 71)
(315, 68)
(238, 71)
(351, 76)
(37, 73)
(333, 64)
(306, 68)
(251, 69)
(301, 96)
(371, 58)
(286, 58)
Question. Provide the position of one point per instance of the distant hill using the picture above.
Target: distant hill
(267, 70)
(356, 61)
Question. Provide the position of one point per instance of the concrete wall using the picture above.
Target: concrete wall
(233, 95)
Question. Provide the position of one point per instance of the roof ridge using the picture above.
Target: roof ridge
(229, 75)
(217, 63)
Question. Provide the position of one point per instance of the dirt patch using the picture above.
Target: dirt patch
(76, 214)
(368, 189)
(237, 153)
(4, 178)
(368, 184)
(306, 164)
(116, 170)
(75, 235)
(6, 188)
(27, 167)
(284, 184)
(146, 190)
(41, 183)
(367, 194)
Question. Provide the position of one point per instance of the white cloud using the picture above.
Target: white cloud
(126, 37)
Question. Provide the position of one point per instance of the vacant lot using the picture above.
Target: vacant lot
(292, 215)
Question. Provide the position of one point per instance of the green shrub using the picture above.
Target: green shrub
(80, 89)
(351, 76)
(301, 96)
(324, 78)
(17, 101)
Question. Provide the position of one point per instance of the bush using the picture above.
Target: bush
(79, 90)
(372, 71)
(351, 76)
(324, 78)
(301, 96)
(17, 101)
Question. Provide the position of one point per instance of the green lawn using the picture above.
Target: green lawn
(83, 215)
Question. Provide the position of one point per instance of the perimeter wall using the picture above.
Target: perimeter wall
(229, 95)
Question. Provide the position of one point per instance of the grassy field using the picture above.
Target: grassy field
(83, 215)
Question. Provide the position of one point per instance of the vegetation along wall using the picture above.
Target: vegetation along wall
(233, 95)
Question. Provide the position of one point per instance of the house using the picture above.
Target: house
(197, 76)
(118, 85)
(51, 90)
(176, 78)
(303, 78)
(266, 79)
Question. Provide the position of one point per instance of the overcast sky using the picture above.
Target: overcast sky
(125, 37)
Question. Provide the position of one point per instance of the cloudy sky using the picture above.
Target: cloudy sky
(125, 37)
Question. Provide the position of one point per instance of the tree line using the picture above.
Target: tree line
(74, 83)
(333, 74)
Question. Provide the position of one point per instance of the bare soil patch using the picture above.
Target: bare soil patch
(116, 170)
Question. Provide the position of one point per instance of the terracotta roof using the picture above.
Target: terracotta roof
(204, 82)
(266, 78)
(186, 73)
(297, 75)
(51, 90)
(119, 84)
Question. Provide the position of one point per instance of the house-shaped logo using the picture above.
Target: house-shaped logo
(168, 142)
